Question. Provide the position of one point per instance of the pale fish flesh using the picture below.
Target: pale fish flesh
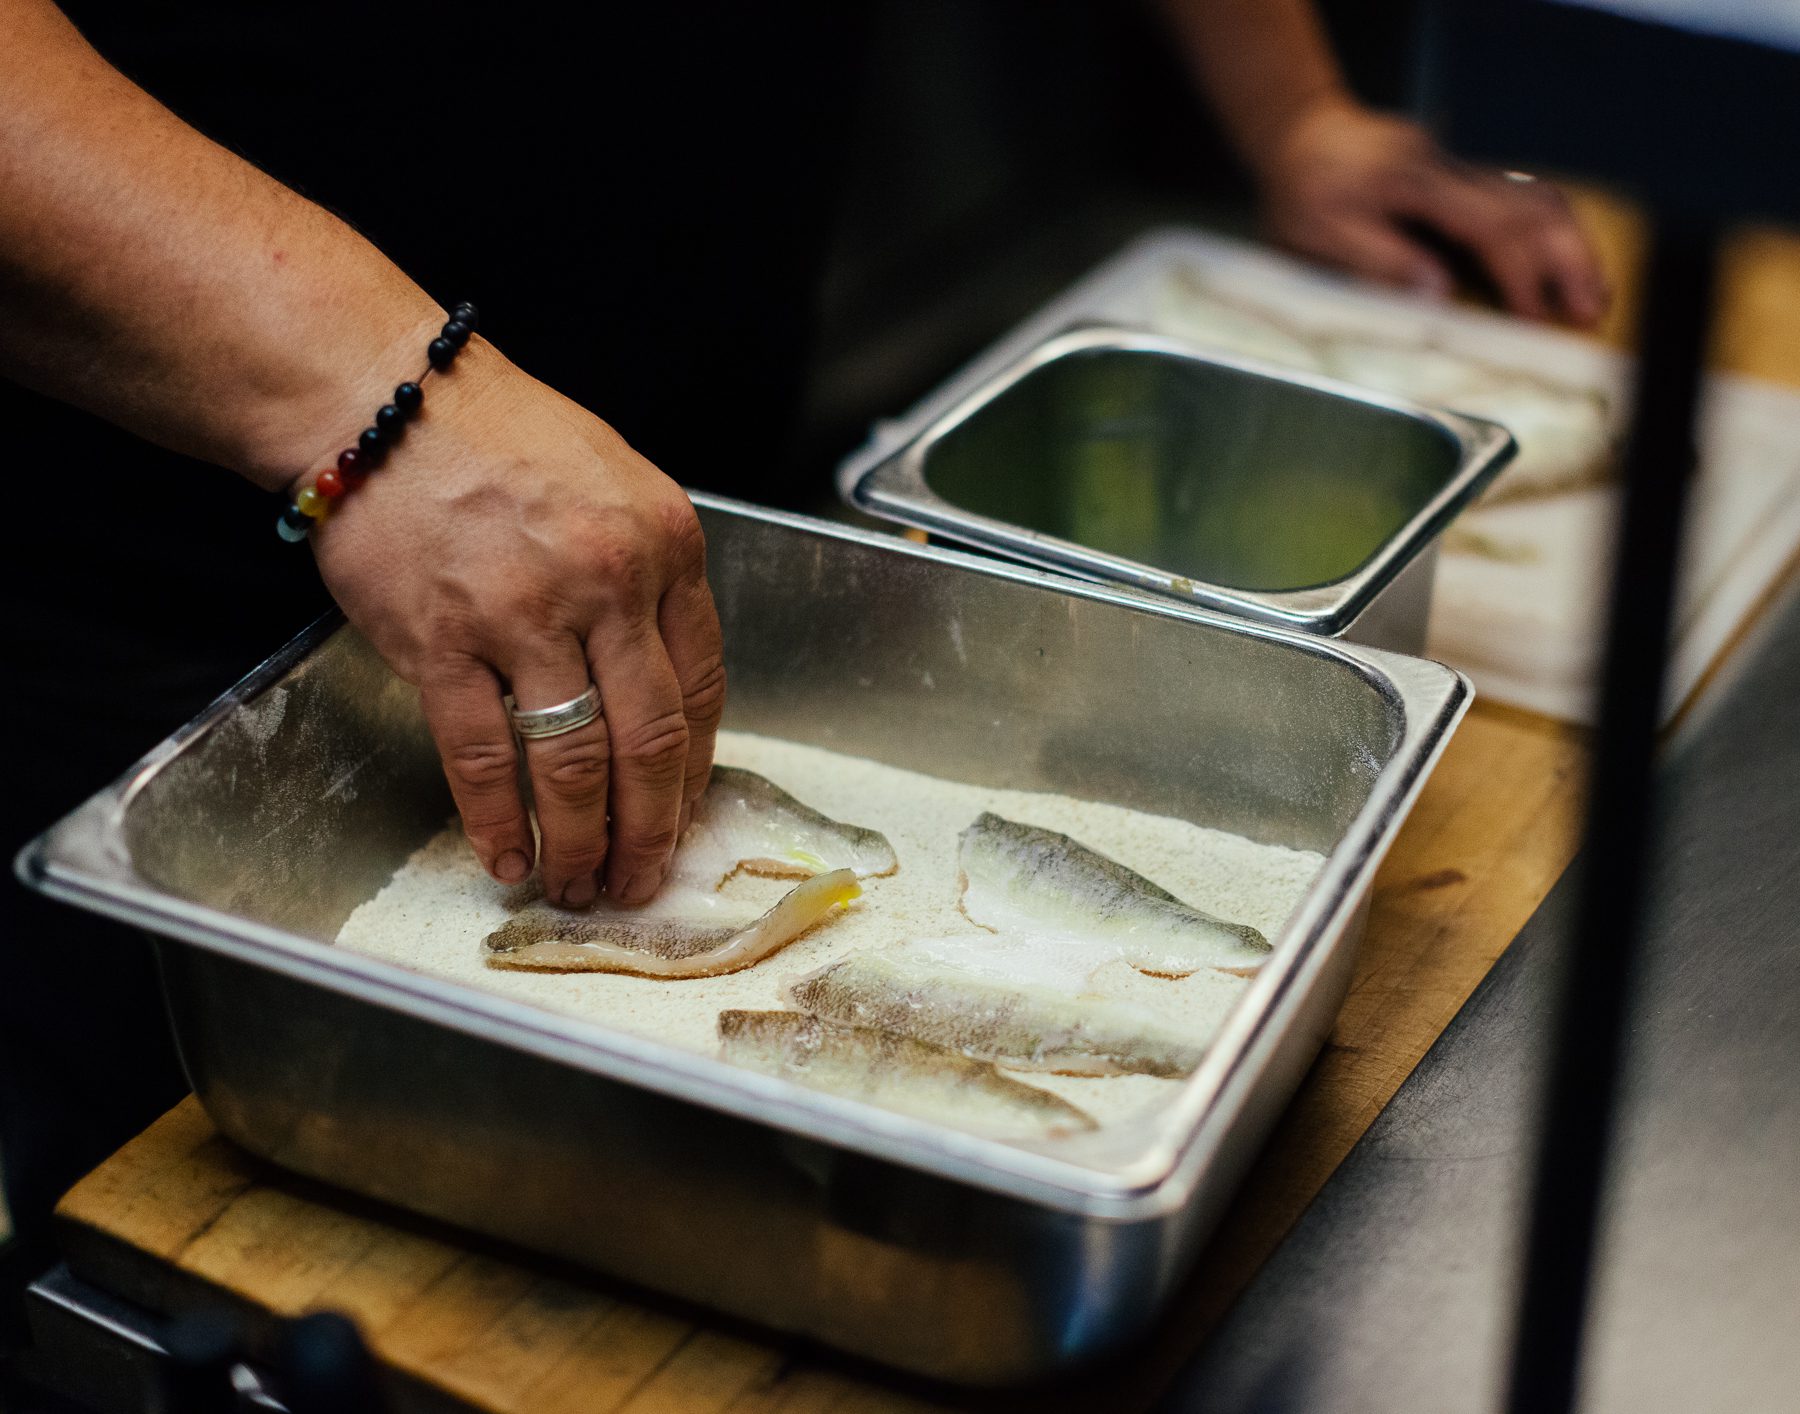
(1563, 430)
(1022, 879)
(896, 1073)
(745, 821)
(1565, 436)
(542, 938)
(1011, 1024)
(1420, 371)
(1187, 305)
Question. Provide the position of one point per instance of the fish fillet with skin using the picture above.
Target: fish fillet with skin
(1012, 1024)
(541, 938)
(1563, 430)
(1022, 879)
(896, 1073)
(745, 821)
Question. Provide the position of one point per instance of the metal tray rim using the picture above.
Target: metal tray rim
(81, 860)
(894, 487)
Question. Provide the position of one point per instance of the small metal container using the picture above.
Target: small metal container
(1135, 459)
(248, 837)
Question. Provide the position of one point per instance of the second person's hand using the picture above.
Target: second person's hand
(514, 542)
(1353, 188)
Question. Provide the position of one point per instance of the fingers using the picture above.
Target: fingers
(612, 797)
(569, 773)
(689, 623)
(1514, 264)
(649, 749)
(1575, 275)
(1525, 236)
(474, 737)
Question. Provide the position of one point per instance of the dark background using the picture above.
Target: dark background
(1002, 149)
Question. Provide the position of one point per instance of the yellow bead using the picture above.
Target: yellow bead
(311, 503)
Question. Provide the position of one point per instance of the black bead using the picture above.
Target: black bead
(409, 398)
(373, 446)
(441, 353)
(390, 422)
(294, 518)
(466, 313)
(457, 332)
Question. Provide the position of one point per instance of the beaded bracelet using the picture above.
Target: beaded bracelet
(311, 504)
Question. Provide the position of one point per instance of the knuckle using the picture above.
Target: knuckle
(619, 566)
(573, 767)
(1526, 220)
(451, 626)
(1518, 232)
(491, 833)
(686, 540)
(565, 857)
(1546, 198)
(646, 843)
(656, 750)
(703, 698)
(537, 601)
(481, 766)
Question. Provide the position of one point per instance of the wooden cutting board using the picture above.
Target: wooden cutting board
(180, 1212)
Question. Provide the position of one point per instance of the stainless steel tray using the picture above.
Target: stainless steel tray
(1129, 457)
(247, 838)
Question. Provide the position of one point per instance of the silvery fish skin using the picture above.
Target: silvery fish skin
(896, 1073)
(1016, 1025)
(541, 938)
(1023, 879)
(745, 821)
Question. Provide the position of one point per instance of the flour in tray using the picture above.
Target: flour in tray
(435, 912)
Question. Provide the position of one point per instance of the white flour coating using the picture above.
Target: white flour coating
(434, 913)
(261, 719)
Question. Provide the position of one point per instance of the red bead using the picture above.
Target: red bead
(330, 484)
(351, 462)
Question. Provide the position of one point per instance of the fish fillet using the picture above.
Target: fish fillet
(607, 939)
(1565, 436)
(745, 821)
(896, 1073)
(1023, 879)
(1190, 307)
(1016, 1025)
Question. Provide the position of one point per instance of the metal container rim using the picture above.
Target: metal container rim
(82, 860)
(894, 487)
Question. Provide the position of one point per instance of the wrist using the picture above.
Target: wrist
(1265, 139)
(312, 496)
(300, 418)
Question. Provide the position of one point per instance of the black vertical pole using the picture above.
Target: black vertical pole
(1579, 1098)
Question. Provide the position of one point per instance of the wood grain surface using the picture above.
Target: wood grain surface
(180, 1210)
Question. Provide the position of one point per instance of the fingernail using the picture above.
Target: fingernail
(512, 867)
(642, 886)
(579, 892)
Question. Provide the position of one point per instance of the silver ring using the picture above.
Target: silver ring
(536, 723)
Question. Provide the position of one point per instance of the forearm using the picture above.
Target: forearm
(1260, 63)
(151, 276)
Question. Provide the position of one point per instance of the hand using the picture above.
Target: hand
(1352, 187)
(513, 541)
